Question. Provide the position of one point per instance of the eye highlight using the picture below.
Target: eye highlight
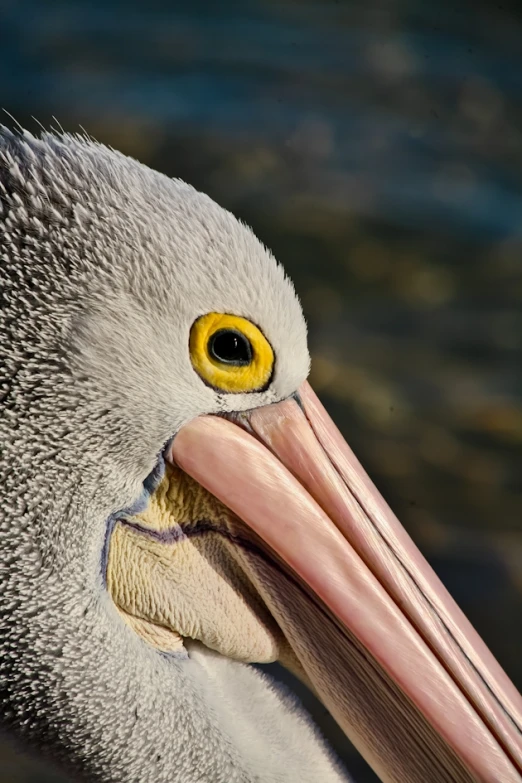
(230, 353)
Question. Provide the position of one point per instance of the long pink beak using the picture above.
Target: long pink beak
(399, 666)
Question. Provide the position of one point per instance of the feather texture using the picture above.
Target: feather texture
(104, 267)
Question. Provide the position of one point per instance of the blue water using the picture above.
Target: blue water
(258, 69)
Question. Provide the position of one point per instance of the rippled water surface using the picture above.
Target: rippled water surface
(376, 147)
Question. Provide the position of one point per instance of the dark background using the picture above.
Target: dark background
(376, 147)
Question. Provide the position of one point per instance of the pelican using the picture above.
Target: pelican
(176, 504)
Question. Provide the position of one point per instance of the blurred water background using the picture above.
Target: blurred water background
(376, 147)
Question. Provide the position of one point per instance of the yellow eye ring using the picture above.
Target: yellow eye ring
(230, 353)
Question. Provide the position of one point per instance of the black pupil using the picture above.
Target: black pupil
(230, 347)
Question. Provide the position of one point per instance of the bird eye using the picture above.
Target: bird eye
(230, 347)
(230, 353)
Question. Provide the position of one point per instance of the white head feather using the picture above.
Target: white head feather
(105, 265)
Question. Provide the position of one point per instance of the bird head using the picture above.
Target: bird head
(170, 477)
